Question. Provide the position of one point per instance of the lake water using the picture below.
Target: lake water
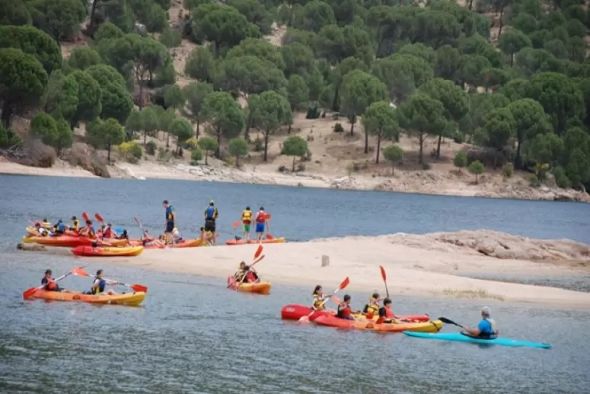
(193, 335)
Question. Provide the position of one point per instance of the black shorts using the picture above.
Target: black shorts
(169, 227)
(210, 225)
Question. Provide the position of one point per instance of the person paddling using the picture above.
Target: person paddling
(261, 218)
(49, 282)
(60, 227)
(344, 310)
(319, 299)
(211, 215)
(88, 230)
(486, 328)
(46, 225)
(99, 284)
(246, 274)
(108, 231)
(372, 307)
(246, 221)
(386, 314)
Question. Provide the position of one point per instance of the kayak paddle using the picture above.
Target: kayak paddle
(85, 216)
(343, 284)
(99, 218)
(236, 224)
(78, 271)
(136, 287)
(449, 321)
(384, 276)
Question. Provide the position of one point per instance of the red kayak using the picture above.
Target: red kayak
(297, 311)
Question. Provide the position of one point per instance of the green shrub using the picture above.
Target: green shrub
(508, 170)
(8, 139)
(460, 159)
(131, 151)
(258, 145)
(196, 156)
(170, 38)
(150, 148)
(534, 181)
(191, 143)
(338, 128)
(561, 178)
(476, 168)
(313, 112)
(459, 137)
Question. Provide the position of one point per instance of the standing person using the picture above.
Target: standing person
(170, 219)
(261, 218)
(211, 215)
(246, 221)
(486, 328)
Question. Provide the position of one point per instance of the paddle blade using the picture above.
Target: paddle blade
(344, 283)
(383, 274)
(85, 216)
(268, 216)
(304, 319)
(258, 251)
(449, 321)
(269, 236)
(139, 288)
(29, 292)
(79, 271)
(257, 260)
(99, 217)
(236, 224)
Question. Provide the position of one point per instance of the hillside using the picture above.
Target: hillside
(486, 98)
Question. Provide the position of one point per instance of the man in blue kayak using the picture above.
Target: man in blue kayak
(486, 328)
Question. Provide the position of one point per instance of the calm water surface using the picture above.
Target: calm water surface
(193, 335)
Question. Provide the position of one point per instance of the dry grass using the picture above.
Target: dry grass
(479, 293)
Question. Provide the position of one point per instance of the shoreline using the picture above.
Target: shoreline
(250, 175)
(441, 265)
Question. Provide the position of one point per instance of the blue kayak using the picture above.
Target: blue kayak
(458, 337)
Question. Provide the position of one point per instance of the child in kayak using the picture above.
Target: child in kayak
(386, 314)
(486, 328)
(246, 274)
(319, 299)
(75, 224)
(49, 282)
(372, 308)
(344, 310)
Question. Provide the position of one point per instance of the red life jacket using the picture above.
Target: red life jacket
(389, 313)
(251, 277)
(51, 285)
(344, 311)
(261, 217)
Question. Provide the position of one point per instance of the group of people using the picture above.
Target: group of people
(208, 232)
(486, 328)
(45, 228)
(98, 283)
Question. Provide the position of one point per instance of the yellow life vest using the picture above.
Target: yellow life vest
(247, 216)
(318, 302)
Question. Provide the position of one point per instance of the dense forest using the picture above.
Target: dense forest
(511, 77)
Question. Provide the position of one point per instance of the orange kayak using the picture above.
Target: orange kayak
(70, 241)
(278, 240)
(255, 287)
(106, 251)
(132, 299)
(187, 243)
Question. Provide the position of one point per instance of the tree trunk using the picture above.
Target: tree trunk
(335, 98)
(438, 146)
(392, 169)
(470, 4)
(144, 137)
(109, 153)
(477, 179)
(6, 114)
(206, 154)
(91, 29)
(511, 59)
(218, 152)
(198, 127)
(421, 142)
(366, 140)
(237, 161)
(167, 139)
(293, 167)
(352, 122)
(517, 163)
(140, 83)
(378, 148)
(266, 135)
(501, 22)
(289, 129)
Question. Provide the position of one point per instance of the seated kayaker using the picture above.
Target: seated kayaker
(245, 274)
(386, 314)
(46, 225)
(176, 237)
(98, 284)
(60, 227)
(75, 224)
(107, 232)
(123, 235)
(206, 236)
(486, 328)
(344, 310)
(88, 230)
(49, 282)
(319, 299)
(372, 308)
(40, 230)
(148, 240)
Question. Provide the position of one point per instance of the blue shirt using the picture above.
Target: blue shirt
(485, 328)
(169, 213)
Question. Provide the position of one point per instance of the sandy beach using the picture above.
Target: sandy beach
(438, 264)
